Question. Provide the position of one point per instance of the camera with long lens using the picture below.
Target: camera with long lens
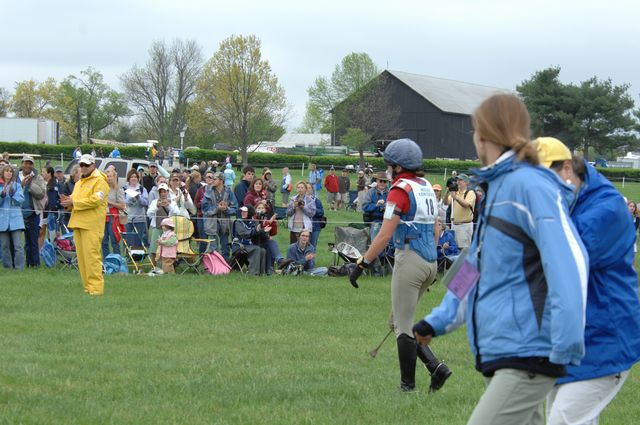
(452, 184)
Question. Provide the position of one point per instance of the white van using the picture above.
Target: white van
(122, 167)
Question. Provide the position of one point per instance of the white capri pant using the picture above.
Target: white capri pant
(580, 403)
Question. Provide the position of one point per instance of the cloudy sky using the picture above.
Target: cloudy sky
(491, 42)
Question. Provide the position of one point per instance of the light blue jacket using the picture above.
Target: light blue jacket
(229, 176)
(530, 297)
(11, 208)
(137, 205)
(612, 333)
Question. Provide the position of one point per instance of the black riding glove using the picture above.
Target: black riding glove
(360, 267)
(422, 328)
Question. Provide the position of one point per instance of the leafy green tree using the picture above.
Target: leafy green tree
(238, 96)
(31, 99)
(595, 113)
(101, 105)
(85, 106)
(355, 138)
(604, 117)
(350, 75)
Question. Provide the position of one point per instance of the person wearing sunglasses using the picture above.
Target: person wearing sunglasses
(88, 204)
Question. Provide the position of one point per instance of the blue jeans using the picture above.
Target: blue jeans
(12, 258)
(109, 238)
(31, 233)
(273, 254)
(141, 238)
(221, 244)
(202, 246)
(313, 239)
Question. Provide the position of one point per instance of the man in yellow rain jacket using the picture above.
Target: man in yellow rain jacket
(88, 204)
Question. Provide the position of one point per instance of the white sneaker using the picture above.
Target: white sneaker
(158, 271)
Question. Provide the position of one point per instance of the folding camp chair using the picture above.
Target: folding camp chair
(358, 238)
(239, 260)
(188, 249)
(137, 256)
(66, 250)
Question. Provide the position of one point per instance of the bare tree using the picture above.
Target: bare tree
(371, 110)
(5, 98)
(161, 91)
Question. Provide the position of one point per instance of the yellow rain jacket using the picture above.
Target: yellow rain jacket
(88, 222)
(90, 202)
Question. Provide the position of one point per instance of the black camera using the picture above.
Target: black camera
(301, 204)
(452, 184)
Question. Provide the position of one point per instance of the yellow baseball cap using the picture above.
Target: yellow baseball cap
(551, 149)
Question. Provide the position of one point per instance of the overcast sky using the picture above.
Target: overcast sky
(494, 43)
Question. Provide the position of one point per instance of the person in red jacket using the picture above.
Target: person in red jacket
(331, 184)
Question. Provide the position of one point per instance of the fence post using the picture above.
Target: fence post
(302, 169)
(62, 159)
(444, 178)
(623, 181)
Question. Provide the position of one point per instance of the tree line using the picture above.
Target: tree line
(234, 98)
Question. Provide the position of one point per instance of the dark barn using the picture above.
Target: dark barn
(435, 112)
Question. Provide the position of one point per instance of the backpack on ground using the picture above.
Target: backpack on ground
(115, 263)
(214, 263)
(48, 254)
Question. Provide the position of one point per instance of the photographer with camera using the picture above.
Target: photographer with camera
(180, 195)
(462, 201)
(300, 210)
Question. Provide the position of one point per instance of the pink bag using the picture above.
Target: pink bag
(215, 264)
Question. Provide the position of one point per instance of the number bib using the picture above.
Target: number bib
(426, 202)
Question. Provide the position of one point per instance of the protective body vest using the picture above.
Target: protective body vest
(416, 227)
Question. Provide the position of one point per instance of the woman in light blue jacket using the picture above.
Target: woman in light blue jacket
(522, 287)
(11, 221)
(137, 200)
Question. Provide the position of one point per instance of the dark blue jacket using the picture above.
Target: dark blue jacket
(448, 236)
(316, 218)
(373, 211)
(612, 332)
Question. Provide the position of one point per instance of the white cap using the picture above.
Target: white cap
(87, 159)
(163, 186)
(195, 168)
(243, 208)
(27, 158)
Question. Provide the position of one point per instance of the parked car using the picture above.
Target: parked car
(122, 167)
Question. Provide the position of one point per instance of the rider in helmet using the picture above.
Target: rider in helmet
(410, 220)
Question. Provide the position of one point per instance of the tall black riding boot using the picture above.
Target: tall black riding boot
(437, 369)
(407, 355)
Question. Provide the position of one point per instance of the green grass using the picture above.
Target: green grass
(224, 350)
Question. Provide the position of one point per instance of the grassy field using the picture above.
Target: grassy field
(224, 350)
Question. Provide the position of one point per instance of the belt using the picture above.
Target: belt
(464, 222)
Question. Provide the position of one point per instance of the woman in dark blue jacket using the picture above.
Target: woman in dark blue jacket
(612, 331)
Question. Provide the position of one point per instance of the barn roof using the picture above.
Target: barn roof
(451, 96)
